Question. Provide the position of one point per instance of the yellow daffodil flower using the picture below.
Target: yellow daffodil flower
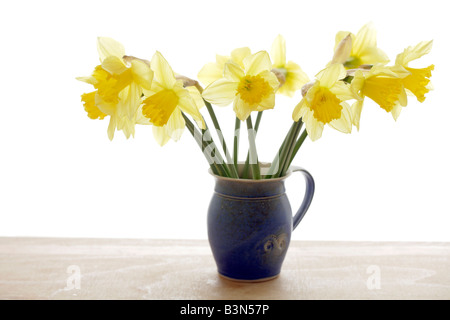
(119, 81)
(382, 85)
(360, 49)
(214, 70)
(389, 86)
(417, 83)
(324, 103)
(251, 88)
(165, 102)
(289, 74)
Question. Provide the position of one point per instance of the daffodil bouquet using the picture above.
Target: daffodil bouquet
(132, 91)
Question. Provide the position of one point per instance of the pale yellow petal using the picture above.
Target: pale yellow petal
(309, 96)
(156, 87)
(162, 71)
(257, 63)
(210, 73)
(299, 110)
(271, 78)
(409, 93)
(221, 60)
(221, 92)
(142, 74)
(111, 127)
(396, 111)
(238, 55)
(344, 123)
(330, 75)
(196, 95)
(127, 126)
(89, 80)
(187, 105)
(365, 38)
(357, 82)
(343, 91)
(105, 107)
(160, 135)
(313, 127)
(175, 125)
(356, 110)
(113, 65)
(403, 98)
(129, 101)
(179, 89)
(413, 53)
(267, 103)
(107, 47)
(397, 71)
(373, 55)
(295, 71)
(278, 52)
(241, 108)
(288, 89)
(295, 79)
(233, 71)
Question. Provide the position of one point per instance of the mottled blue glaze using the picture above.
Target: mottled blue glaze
(250, 224)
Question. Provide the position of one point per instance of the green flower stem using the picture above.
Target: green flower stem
(216, 169)
(237, 128)
(212, 147)
(246, 170)
(277, 161)
(258, 120)
(298, 144)
(252, 149)
(230, 164)
(282, 159)
(291, 146)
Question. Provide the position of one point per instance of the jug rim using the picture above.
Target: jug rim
(264, 167)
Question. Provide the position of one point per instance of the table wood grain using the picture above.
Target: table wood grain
(71, 268)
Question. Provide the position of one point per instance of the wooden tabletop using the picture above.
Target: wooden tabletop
(55, 268)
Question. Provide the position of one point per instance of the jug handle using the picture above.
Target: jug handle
(309, 193)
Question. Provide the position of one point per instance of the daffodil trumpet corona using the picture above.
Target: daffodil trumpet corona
(135, 91)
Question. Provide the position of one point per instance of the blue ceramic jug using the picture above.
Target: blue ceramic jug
(250, 224)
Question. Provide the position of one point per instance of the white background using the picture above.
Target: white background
(61, 176)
